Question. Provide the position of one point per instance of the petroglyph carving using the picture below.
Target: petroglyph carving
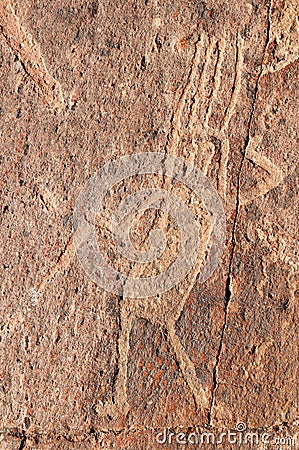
(283, 46)
(23, 45)
(162, 310)
(165, 308)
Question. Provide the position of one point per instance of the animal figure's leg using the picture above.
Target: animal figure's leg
(188, 369)
(126, 322)
(119, 406)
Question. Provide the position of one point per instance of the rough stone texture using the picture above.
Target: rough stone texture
(83, 83)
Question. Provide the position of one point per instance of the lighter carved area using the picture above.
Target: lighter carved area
(23, 45)
(283, 46)
(165, 309)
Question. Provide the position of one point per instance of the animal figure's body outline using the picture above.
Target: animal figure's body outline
(51, 92)
(132, 310)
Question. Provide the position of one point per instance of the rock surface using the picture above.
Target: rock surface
(83, 83)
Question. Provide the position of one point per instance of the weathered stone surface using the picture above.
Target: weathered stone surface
(83, 83)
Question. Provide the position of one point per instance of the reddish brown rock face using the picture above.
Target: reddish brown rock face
(213, 83)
